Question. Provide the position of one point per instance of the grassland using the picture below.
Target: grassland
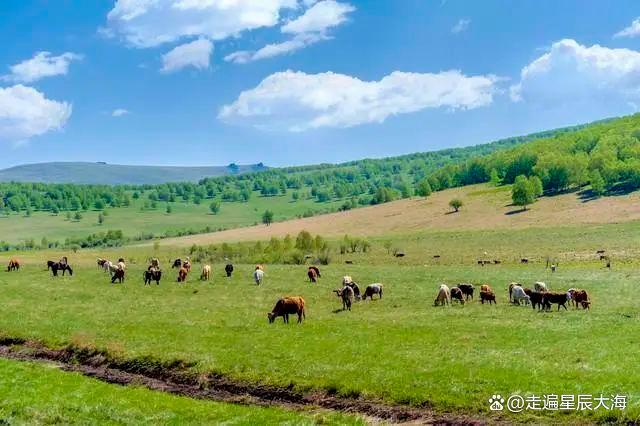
(39, 394)
(398, 349)
(133, 220)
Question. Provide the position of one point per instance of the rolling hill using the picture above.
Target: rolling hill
(117, 174)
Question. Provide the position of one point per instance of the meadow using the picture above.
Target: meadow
(399, 349)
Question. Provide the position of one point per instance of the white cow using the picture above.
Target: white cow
(519, 294)
(258, 275)
(540, 287)
(443, 297)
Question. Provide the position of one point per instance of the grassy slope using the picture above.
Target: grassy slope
(132, 221)
(455, 358)
(41, 394)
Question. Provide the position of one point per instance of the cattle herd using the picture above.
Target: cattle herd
(539, 297)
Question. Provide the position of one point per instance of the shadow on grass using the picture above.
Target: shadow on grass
(512, 212)
(452, 212)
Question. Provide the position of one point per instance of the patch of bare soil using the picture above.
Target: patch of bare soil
(177, 378)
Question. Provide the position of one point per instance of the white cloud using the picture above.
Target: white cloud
(147, 23)
(308, 29)
(195, 54)
(119, 112)
(320, 17)
(571, 72)
(40, 66)
(300, 41)
(632, 30)
(25, 112)
(461, 26)
(297, 101)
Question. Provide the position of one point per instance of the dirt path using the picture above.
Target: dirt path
(176, 379)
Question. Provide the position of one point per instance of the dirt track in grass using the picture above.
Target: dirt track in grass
(176, 379)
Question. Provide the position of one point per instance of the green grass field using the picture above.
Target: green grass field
(400, 349)
(39, 394)
(133, 221)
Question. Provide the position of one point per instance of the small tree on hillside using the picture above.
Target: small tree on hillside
(215, 207)
(536, 186)
(522, 192)
(169, 209)
(456, 204)
(100, 218)
(267, 217)
(494, 179)
(597, 183)
(77, 216)
(423, 188)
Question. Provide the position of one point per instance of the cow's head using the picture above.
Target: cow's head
(271, 316)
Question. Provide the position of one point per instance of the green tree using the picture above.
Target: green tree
(424, 188)
(456, 204)
(169, 209)
(215, 207)
(597, 183)
(77, 216)
(267, 217)
(494, 179)
(522, 192)
(536, 186)
(100, 218)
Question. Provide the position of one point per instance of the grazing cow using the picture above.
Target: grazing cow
(554, 297)
(59, 266)
(467, 290)
(600, 252)
(457, 294)
(206, 273)
(111, 268)
(118, 275)
(154, 263)
(313, 275)
(604, 257)
(586, 304)
(554, 267)
(315, 268)
(182, 274)
(524, 260)
(497, 262)
(287, 306)
(443, 297)
(519, 294)
(486, 288)
(511, 286)
(346, 294)
(535, 297)
(540, 287)
(187, 264)
(101, 262)
(121, 264)
(258, 276)
(578, 297)
(14, 265)
(228, 269)
(356, 289)
(152, 275)
(177, 264)
(371, 290)
(488, 296)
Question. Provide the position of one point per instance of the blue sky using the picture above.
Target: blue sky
(190, 82)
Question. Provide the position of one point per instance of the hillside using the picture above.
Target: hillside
(116, 174)
(485, 208)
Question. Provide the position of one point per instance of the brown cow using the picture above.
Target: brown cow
(287, 306)
(554, 297)
(206, 273)
(578, 297)
(346, 294)
(313, 275)
(14, 265)
(488, 296)
(118, 274)
(486, 288)
(182, 274)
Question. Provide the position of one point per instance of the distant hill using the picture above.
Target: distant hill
(116, 174)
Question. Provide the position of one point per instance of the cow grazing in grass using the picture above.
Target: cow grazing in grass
(371, 290)
(228, 269)
(518, 294)
(100, 262)
(286, 306)
(59, 266)
(524, 260)
(535, 297)
(182, 274)
(540, 287)
(176, 264)
(118, 275)
(313, 275)
(467, 290)
(152, 275)
(206, 273)
(443, 297)
(258, 276)
(487, 296)
(356, 289)
(346, 294)
(315, 268)
(14, 265)
(457, 294)
(554, 297)
(579, 297)
(511, 286)
(486, 288)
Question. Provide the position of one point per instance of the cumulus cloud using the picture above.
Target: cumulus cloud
(461, 26)
(40, 66)
(320, 17)
(571, 72)
(307, 29)
(631, 31)
(25, 112)
(296, 101)
(147, 23)
(300, 41)
(119, 112)
(195, 54)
